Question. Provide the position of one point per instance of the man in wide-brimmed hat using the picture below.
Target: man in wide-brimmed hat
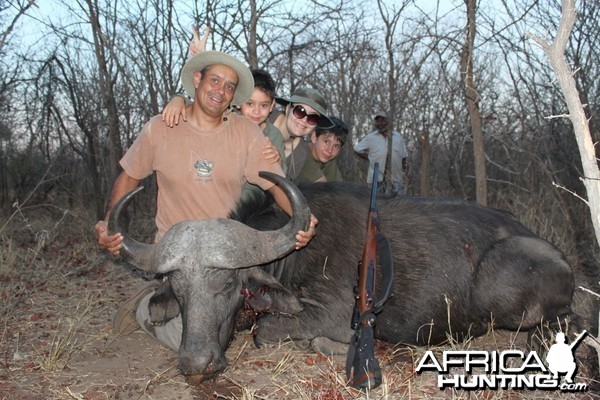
(201, 163)
(304, 111)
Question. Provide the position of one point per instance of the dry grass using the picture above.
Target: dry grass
(57, 298)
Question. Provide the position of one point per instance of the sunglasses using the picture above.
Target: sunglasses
(299, 112)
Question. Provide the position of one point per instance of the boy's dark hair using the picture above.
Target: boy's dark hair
(340, 130)
(264, 81)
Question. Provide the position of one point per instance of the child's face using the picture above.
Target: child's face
(325, 147)
(258, 107)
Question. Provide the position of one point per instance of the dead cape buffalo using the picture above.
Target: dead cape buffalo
(454, 262)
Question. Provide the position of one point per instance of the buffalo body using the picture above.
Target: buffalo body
(458, 267)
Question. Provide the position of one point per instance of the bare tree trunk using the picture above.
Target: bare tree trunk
(472, 100)
(425, 170)
(115, 149)
(252, 45)
(390, 23)
(555, 52)
(3, 169)
(390, 20)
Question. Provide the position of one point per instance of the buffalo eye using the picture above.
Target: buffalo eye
(228, 286)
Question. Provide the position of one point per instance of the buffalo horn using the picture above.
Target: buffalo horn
(229, 244)
(239, 245)
(137, 253)
(263, 247)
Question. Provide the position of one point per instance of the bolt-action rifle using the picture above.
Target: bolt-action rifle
(362, 367)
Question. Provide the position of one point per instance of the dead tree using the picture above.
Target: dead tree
(472, 100)
(555, 52)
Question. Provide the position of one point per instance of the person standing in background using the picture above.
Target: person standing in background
(386, 147)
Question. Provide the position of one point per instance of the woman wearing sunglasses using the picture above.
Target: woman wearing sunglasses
(304, 111)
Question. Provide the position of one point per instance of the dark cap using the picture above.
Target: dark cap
(380, 113)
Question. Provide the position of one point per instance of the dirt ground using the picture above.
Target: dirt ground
(58, 299)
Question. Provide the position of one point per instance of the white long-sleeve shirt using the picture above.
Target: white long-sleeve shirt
(375, 145)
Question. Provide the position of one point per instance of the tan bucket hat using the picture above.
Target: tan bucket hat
(201, 60)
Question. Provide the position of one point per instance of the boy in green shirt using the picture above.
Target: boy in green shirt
(325, 146)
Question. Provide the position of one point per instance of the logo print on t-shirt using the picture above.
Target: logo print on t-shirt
(203, 168)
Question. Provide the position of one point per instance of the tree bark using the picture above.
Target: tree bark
(425, 169)
(555, 52)
(115, 148)
(252, 45)
(472, 101)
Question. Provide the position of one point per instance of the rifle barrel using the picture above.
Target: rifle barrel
(373, 203)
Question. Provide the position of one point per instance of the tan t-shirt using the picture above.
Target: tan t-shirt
(200, 173)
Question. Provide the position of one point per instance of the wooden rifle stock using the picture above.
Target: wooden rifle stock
(368, 263)
(362, 367)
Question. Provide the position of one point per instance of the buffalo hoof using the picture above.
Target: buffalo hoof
(328, 347)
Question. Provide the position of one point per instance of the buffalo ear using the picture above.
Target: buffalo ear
(265, 294)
